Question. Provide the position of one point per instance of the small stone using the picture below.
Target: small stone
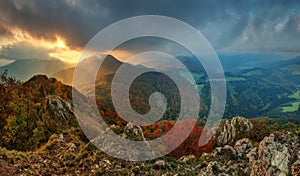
(118, 167)
(159, 164)
(136, 169)
(61, 137)
(187, 158)
(295, 170)
(72, 147)
(107, 161)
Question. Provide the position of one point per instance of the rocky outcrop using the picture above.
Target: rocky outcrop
(60, 108)
(133, 132)
(295, 169)
(233, 130)
(130, 144)
(65, 154)
(243, 146)
(211, 169)
(275, 155)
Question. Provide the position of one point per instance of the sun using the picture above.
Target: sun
(60, 43)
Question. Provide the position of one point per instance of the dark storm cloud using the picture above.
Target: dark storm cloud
(226, 24)
(43, 19)
(80, 20)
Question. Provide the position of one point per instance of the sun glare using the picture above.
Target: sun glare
(60, 43)
(56, 48)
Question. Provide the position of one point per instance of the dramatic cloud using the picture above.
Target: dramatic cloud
(231, 26)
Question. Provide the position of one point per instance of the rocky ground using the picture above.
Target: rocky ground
(235, 154)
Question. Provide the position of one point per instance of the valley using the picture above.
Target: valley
(40, 133)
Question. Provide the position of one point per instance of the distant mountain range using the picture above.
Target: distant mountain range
(111, 64)
(238, 62)
(89, 66)
(26, 68)
(266, 90)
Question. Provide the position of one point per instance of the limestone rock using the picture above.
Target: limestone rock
(233, 130)
(295, 169)
(61, 108)
(129, 148)
(134, 132)
(243, 146)
(252, 154)
(274, 155)
(211, 169)
(187, 158)
(72, 147)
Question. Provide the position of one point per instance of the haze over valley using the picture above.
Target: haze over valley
(70, 105)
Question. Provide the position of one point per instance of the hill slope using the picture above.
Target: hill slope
(89, 65)
(25, 69)
(33, 110)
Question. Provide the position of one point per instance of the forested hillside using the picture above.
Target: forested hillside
(32, 111)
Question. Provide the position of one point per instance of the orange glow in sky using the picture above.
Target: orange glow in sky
(60, 43)
(57, 49)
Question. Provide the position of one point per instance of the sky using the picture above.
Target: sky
(34, 29)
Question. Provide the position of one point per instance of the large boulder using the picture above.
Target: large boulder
(231, 131)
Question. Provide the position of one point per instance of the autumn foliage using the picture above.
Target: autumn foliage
(26, 121)
(190, 146)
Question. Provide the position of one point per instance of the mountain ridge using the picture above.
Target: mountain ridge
(26, 68)
(90, 66)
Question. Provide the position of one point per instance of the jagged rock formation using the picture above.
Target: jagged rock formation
(60, 107)
(296, 165)
(67, 154)
(62, 110)
(243, 147)
(133, 132)
(275, 155)
(233, 130)
(128, 149)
